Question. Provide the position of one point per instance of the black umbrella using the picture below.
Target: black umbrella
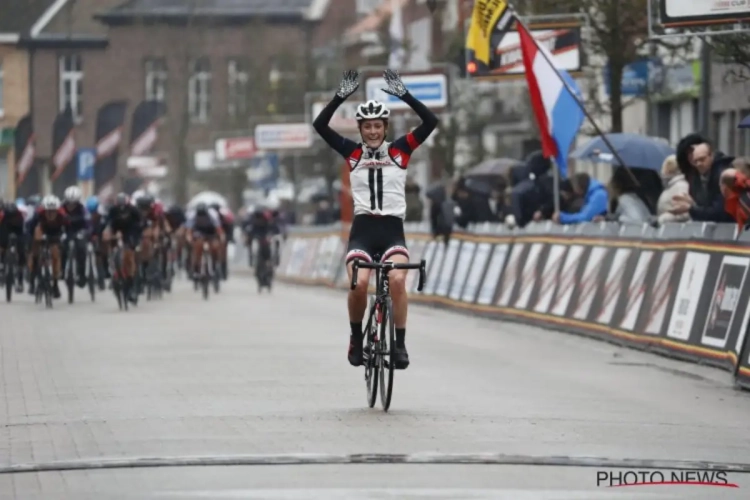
(494, 167)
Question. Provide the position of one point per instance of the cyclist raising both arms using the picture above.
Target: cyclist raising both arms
(377, 170)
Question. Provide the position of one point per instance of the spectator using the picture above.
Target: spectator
(499, 205)
(674, 184)
(705, 201)
(595, 200)
(629, 207)
(414, 205)
(532, 196)
(324, 213)
(474, 206)
(735, 187)
(442, 213)
(742, 166)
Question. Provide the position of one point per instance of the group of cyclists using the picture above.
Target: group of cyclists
(145, 227)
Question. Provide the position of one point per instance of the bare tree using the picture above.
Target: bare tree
(619, 33)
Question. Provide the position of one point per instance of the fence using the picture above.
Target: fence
(681, 290)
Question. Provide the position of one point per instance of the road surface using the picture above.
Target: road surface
(244, 374)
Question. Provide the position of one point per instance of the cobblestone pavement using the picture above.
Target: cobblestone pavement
(246, 374)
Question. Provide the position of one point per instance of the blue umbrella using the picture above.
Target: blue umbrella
(745, 123)
(637, 151)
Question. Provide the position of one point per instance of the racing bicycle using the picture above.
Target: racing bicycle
(380, 330)
(119, 281)
(264, 265)
(13, 268)
(71, 263)
(45, 284)
(208, 272)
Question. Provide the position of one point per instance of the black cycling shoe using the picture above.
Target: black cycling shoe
(355, 352)
(400, 358)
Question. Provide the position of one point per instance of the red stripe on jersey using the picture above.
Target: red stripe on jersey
(412, 141)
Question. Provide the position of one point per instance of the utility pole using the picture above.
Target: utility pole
(704, 116)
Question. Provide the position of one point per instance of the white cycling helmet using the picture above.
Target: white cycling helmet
(73, 194)
(51, 202)
(372, 110)
(137, 195)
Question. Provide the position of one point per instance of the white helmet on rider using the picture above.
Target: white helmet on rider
(372, 110)
(136, 196)
(51, 202)
(73, 194)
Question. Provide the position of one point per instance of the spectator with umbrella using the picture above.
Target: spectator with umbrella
(642, 156)
(473, 199)
(627, 207)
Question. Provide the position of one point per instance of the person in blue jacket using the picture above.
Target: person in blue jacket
(595, 200)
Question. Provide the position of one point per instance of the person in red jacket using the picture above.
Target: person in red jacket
(735, 186)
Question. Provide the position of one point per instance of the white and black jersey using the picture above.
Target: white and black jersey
(378, 183)
(378, 177)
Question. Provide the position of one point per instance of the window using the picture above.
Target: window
(238, 88)
(199, 91)
(156, 80)
(71, 84)
(743, 137)
(2, 109)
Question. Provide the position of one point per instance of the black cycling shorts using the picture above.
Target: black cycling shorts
(371, 235)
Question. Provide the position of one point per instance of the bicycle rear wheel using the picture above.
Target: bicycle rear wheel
(92, 275)
(385, 353)
(10, 272)
(370, 358)
(205, 276)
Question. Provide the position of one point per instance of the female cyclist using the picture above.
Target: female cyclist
(377, 170)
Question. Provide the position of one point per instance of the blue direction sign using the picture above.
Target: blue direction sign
(86, 158)
(432, 90)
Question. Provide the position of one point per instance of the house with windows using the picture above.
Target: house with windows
(17, 20)
(215, 64)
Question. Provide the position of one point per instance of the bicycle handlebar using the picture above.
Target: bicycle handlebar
(389, 266)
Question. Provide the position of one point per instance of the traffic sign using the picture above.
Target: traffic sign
(86, 159)
(431, 89)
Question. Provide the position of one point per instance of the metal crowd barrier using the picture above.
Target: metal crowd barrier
(681, 290)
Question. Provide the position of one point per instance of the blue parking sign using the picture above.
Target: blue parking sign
(86, 158)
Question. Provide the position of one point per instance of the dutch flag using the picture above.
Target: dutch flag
(558, 112)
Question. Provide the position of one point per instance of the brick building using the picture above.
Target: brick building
(212, 63)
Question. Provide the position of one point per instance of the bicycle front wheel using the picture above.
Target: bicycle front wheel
(385, 353)
(370, 358)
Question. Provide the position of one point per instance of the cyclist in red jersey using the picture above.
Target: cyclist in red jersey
(154, 220)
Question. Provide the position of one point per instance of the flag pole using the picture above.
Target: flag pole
(556, 185)
(580, 104)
